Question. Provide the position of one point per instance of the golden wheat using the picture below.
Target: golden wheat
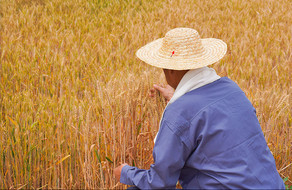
(74, 98)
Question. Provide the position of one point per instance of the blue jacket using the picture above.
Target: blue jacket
(209, 138)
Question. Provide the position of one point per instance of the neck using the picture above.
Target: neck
(173, 77)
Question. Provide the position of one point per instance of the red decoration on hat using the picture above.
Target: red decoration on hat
(172, 54)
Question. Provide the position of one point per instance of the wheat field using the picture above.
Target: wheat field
(74, 99)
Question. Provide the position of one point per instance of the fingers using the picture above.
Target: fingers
(118, 171)
(158, 87)
(155, 88)
(166, 92)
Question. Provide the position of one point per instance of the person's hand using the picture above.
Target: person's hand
(167, 91)
(118, 171)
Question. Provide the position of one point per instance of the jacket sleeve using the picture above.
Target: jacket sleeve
(169, 153)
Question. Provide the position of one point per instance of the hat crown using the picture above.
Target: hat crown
(182, 42)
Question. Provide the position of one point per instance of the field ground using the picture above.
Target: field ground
(74, 98)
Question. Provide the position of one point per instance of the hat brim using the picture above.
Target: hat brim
(214, 50)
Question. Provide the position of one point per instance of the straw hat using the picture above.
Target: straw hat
(182, 49)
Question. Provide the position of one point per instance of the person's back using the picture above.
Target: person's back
(225, 144)
(209, 135)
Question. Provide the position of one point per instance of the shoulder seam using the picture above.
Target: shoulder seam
(178, 134)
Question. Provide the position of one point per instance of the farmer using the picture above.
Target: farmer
(209, 136)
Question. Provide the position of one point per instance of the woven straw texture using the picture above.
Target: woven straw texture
(182, 49)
